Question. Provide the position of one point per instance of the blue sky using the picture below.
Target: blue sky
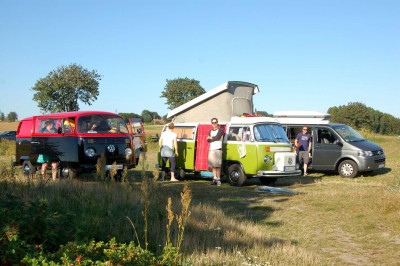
(303, 55)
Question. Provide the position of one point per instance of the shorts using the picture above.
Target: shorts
(214, 158)
(44, 158)
(305, 156)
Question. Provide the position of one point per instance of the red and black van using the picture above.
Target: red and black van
(76, 142)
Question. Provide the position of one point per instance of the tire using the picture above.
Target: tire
(68, 173)
(180, 174)
(267, 181)
(348, 169)
(28, 169)
(236, 175)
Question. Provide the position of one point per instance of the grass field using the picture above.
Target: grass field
(330, 221)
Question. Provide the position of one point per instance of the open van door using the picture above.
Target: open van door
(136, 129)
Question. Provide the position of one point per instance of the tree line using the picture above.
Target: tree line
(11, 117)
(63, 88)
(359, 116)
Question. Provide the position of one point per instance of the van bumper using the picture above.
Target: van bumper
(264, 173)
(92, 168)
(367, 164)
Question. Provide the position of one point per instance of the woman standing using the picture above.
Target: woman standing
(169, 149)
(45, 159)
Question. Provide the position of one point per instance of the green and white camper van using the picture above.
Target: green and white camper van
(252, 147)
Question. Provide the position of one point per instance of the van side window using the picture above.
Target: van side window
(184, 132)
(233, 134)
(325, 136)
(246, 134)
(69, 125)
(47, 125)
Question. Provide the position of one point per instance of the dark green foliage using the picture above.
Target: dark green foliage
(126, 116)
(181, 90)
(148, 116)
(62, 88)
(12, 117)
(359, 116)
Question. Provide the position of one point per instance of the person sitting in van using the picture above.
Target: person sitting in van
(234, 134)
(93, 128)
(69, 125)
(48, 127)
(303, 143)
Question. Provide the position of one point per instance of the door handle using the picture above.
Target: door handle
(35, 142)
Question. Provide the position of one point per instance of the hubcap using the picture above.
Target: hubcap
(347, 170)
(234, 176)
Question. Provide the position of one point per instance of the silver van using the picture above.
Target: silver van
(335, 147)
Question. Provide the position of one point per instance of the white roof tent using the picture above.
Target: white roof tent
(232, 98)
(302, 117)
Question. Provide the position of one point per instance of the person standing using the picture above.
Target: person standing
(45, 159)
(169, 149)
(215, 151)
(303, 144)
(138, 144)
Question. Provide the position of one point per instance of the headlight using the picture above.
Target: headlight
(128, 151)
(267, 159)
(90, 152)
(365, 153)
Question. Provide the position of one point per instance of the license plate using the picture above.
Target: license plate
(381, 166)
(289, 168)
(114, 167)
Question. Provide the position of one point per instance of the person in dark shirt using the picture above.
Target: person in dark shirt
(303, 144)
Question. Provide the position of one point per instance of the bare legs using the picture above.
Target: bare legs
(53, 170)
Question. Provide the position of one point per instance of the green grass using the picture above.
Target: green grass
(332, 221)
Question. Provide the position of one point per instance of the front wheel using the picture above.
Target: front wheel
(68, 173)
(348, 169)
(236, 175)
(28, 169)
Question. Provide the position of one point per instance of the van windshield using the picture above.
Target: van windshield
(101, 124)
(348, 133)
(270, 133)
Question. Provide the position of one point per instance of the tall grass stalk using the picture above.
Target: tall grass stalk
(182, 219)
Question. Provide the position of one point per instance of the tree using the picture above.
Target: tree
(12, 116)
(181, 90)
(2, 116)
(148, 116)
(61, 89)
